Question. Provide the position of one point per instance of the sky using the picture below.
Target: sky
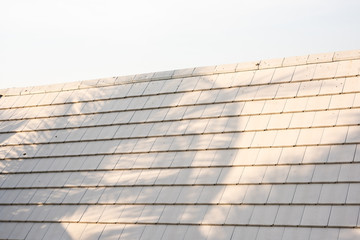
(50, 41)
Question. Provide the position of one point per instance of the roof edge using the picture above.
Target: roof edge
(188, 72)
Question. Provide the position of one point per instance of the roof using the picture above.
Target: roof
(259, 150)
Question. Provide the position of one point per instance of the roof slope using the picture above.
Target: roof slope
(262, 150)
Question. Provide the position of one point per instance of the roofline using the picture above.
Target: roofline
(188, 72)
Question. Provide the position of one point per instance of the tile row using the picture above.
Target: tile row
(196, 126)
(290, 90)
(281, 194)
(68, 231)
(329, 173)
(255, 215)
(265, 76)
(211, 158)
(256, 139)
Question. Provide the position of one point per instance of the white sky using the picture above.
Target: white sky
(49, 41)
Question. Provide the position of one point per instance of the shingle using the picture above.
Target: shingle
(112, 231)
(286, 137)
(310, 136)
(263, 76)
(310, 88)
(333, 193)
(230, 175)
(253, 107)
(353, 193)
(344, 216)
(318, 103)
(208, 176)
(325, 70)
(334, 135)
(342, 153)
(21, 230)
(325, 118)
(203, 158)
(342, 101)
(270, 233)
(129, 195)
(295, 104)
(264, 138)
(246, 93)
(38, 231)
(316, 154)
(233, 109)
(352, 84)
(353, 135)
(189, 194)
(189, 98)
(197, 232)
(154, 101)
(349, 172)
(348, 233)
(172, 214)
(268, 156)
(74, 231)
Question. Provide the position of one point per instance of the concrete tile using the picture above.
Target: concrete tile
(112, 231)
(188, 84)
(276, 174)
(246, 93)
(110, 195)
(267, 91)
(189, 98)
(291, 155)
(193, 214)
(194, 112)
(257, 194)
(129, 195)
(300, 173)
(326, 173)
(304, 72)
(348, 116)
(129, 177)
(325, 118)
(183, 159)
(282, 194)
(216, 125)
(181, 143)
(353, 195)
(345, 234)
(311, 88)
(316, 154)
(174, 232)
(172, 214)
(274, 106)
(154, 101)
(216, 214)
(325, 70)
(245, 232)
(151, 213)
(153, 232)
(233, 194)
(74, 231)
(348, 172)
(154, 87)
(233, 109)
(92, 232)
(20, 231)
(182, 72)
(351, 84)
(283, 74)
(175, 113)
(307, 193)
(157, 114)
(353, 134)
(332, 86)
(270, 233)
(246, 157)
(137, 89)
(207, 70)
(205, 82)
(342, 153)
(341, 101)
(74, 195)
(320, 57)
(344, 216)
(38, 231)
(264, 215)
(147, 177)
(170, 86)
(243, 78)
(132, 232)
(334, 135)
(295, 104)
(310, 136)
(189, 194)
(197, 232)
(211, 194)
(296, 233)
(203, 158)
(225, 68)
(169, 194)
(316, 215)
(318, 103)
(224, 80)
(208, 176)
(286, 137)
(137, 103)
(207, 96)
(321, 233)
(344, 55)
(334, 193)
(264, 138)
(258, 122)
(230, 175)
(268, 156)
(263, 76)
(279, 121)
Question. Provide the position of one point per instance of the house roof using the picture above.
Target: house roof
(259, 150)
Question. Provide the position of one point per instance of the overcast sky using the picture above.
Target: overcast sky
(48, 41)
